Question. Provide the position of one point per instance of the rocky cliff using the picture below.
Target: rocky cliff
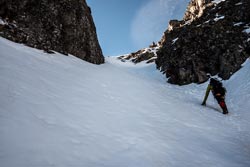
(212, 38)
(65, 26)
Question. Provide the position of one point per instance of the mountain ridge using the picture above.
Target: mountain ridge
(211, 39)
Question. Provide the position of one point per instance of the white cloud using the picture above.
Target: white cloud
(152, 20)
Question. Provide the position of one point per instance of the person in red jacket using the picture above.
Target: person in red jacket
(219, 93)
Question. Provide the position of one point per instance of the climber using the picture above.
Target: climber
(219, 93)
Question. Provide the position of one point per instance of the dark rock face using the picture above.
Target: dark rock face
(210, 39)
(65, 26)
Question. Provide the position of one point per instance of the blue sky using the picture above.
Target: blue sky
(125, 26)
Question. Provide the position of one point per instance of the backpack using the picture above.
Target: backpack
(217, 87)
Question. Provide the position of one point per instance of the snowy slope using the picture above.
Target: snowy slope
(59, 111)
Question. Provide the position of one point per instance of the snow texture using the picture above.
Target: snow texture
(59, 111)
(238, 24)
(174, 40)
(240, 3)
(2, 22)
(219, 18)
(247, 30)
(218, 1)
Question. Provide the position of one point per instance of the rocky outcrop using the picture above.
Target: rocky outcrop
(196, 8)
(173, 24)
(212, 38)
(147, 54)
(65, 26)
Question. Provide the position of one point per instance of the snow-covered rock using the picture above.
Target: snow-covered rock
(212, 38)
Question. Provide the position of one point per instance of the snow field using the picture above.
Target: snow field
(57, 110)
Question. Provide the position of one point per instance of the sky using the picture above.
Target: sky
(127, 26)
